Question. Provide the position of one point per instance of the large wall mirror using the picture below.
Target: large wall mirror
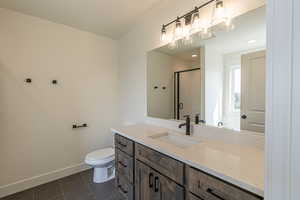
(221, 78)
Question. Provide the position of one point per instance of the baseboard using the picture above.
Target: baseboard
(40, 179)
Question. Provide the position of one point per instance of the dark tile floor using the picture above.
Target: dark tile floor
(76, 187)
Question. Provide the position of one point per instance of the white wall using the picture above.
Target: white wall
(213, 86)
(36, 119)
(160, 72)
(145, 37)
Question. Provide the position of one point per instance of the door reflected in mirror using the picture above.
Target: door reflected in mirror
(221, 79)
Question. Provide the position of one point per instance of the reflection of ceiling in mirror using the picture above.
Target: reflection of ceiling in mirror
(188, 55)
(248, 27)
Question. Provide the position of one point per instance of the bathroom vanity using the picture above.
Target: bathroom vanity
(217, 84)
(154, 163)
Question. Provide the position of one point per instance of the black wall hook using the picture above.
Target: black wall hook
(79, 126)
(54, 82)
(28, 80)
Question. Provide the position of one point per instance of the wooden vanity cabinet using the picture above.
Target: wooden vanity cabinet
(145, 174)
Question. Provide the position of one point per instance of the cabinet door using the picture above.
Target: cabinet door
(166, 189)
(144, 183)
(150, 185)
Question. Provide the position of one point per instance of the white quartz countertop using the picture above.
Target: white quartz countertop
(240, 165)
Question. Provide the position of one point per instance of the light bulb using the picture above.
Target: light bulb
(187, 28)
(219, 15)
(178, 29)
(196, 21)
(220, 11)
(187, 32)
(164, 34)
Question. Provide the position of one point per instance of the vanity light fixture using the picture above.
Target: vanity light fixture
(194, 24)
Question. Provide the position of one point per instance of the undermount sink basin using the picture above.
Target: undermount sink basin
(176, 139)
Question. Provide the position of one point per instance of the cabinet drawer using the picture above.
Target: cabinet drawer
(162, 163)
(124, 165)
(209, 187)
(125, 188)
(124, 144)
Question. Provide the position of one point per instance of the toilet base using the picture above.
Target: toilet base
(103, 174)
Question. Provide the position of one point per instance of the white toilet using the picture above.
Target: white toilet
(103, 162)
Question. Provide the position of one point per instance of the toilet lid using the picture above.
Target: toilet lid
(101, 154)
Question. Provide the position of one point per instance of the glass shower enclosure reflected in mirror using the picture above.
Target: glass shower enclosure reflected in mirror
(187, 95)
(174, 83)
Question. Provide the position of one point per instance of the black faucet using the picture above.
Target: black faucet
(187, 124)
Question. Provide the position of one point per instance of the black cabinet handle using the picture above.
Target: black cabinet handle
(122, 164)
(150, 180)
(211, 191)
(123, 145)
(156, 184)
(244, 116)
(122, 190)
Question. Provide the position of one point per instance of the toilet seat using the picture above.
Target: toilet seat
(100, 157)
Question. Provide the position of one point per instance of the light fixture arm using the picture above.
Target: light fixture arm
(191, 12)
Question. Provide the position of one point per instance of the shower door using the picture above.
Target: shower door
(187, 98)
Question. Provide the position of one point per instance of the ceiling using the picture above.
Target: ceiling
(250, 26)
(191, 55)
(110, 18)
